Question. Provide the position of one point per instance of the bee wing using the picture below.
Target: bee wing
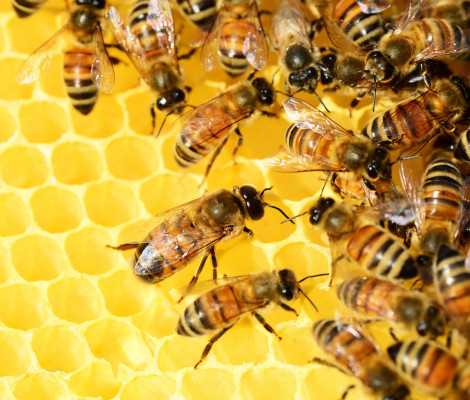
(301, 112)
(210, 48)
(40, 59)
(373, 6)
(443, 48)
(255, 47)
(128, 42)
(413, 12)
(204, 286)
(399, 211)
(289, 21)
(102, 71)
(160, 18)
(285, 162)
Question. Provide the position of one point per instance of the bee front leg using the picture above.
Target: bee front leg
(154, 117)
(209, 345)
(288, 308)
(239, 143)
(214, 156)
(266, 326)
(124, 246)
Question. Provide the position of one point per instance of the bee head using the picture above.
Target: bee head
(306, 79)
(378, 68)
(171, 99)
(433, 322)
(98, 4)
(318, 210)
(379, 166)
(253, 202)
(289, 285)
(265, 91)
(297, 57)
(84, 19)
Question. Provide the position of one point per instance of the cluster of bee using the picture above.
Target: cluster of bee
(410, 228)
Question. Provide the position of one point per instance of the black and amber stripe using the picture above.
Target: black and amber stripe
(80, 88)
(452, 279)
(379, 252)
(462, 147)
(218, 309)
(364, 30)
(26, 8)
(300, 140)
(200, 12)
(427, 366)
(176, 239)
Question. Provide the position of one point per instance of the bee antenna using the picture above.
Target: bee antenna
(312, 276)
(272, 79)
(405, 158)
(163, 123)
(309, 300)
(284, 93)
(353, 75)
(318, 97)
(282, 212)
(291, 218)
(265, 190)
(251, 76)
(324, 185)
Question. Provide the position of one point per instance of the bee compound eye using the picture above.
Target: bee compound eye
(162, 103)
(178, 96)
(253, 202)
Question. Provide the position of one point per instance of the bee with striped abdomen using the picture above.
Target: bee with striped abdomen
(202, 13)
(236, 39)
(26, 8)
(176, 237)
(377, 298)
(149, 41)
(431, 369)
(87, 66)
(355, 354)
(217, 310)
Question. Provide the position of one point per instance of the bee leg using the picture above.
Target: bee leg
(393, 335)
(249, 231)
(154, 116)
(269, 114)
(209, 345)
(288, 308)
(214, 263)
(187, 55)
(239, 143)
(345, 393)
(356, 101)
(211, 161)
(124, 246)
(326, 363)
(423, 72)
(286, 85)
(333, 269)
(196, 276)
(266, 326)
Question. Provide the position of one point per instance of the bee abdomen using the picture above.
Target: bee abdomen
(80, 88)
(231, 42)
(375, 250)
(201, 12)
(462, 148)
(25, 8)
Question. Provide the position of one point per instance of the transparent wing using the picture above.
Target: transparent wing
(300, 111)
(373, 6)
(440, 48)
(102, 71)
(210, 48)
(413, 13)
(255, 47)
(128, 42)
(285, 162)
(205, 286)
(40, 59)
(160, 18)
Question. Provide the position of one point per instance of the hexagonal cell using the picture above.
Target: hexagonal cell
(160, 317)
(240, 257)
(208, 384)
(118, 342)
(59, 348)
(87, 251)
(318, 384)
(51, 81)
(15, 354)
(23, 167)
(296, 187)
(38, 257)
(41, 386)
(28, 311)
(236, 174)
(15, 215)
(75, 163)
(95, 380)
(291, 349)
(8, 68)
(268, 383)
(9, 124)
(169, 357)
(56, 209)
(111, 203)
(42, 122)
(133, 295)
(149, 387)
(137, 107)
(5, 263)
(75, 299)
(105, 120)
(183, 189)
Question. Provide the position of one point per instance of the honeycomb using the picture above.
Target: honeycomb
(75, 322)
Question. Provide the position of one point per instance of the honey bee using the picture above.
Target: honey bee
(414, 121)
(176, 237)
(200, 12)
(292, 33)
(208, 126)
(382, 299)
(217, 310)
(236, 39)
(462, 147)
(26, 8)
(431, 369)
(353, 21)
(455, 11)
(452, 281)
(365, 243)
(414, 41)
(149, 42)
(356, 355)
(316, 143)
(87, 66)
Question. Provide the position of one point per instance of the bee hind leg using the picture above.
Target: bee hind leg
(266, 326)
(239, 143)
(211, 161)
(196, 274)
(209, 345)
(124, 246)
